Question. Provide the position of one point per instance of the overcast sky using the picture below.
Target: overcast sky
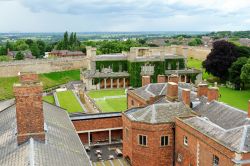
(123, 15)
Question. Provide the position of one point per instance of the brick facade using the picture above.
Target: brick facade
(153, 154)
(161, 78)
(134, 100)
(202, 90)
(146, 80)
(212, 94)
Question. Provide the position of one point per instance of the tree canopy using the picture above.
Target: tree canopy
(19, 56)
(245, 72)
(220, 59)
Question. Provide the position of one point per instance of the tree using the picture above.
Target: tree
(245, 72)
(235, 71)
(71, 39)
(243, 51)
(220, 59)
(19, 56)
(65, 40)
(42, 47)
(35, 50)
(195, 42)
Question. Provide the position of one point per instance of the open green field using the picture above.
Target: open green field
(107, 92)
(235, 98)
(113, 105)
(49, 80)
(68, 101)
(49, 99)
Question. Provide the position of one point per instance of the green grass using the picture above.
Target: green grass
(102, 93)
(68, 101)
(235, 98)
(4, 58)
(49, 80)
(113, 105)
(49, 99)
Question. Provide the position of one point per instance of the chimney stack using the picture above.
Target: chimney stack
(186, 96)
(172, 91)
(161, 78)
(174, 78)
(202, 90)
(145, 80)
(212, 94)
(29, 108)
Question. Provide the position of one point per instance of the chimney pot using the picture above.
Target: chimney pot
(174, 78)
(202, 90)
(213, 93)
(161, 78)
(145, 80)
(172, 91)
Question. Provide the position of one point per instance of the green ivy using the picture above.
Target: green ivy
(173, 63)
(113, 64)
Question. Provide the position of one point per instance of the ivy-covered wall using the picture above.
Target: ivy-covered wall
(134, 69)
(173, 63)
(113, 64)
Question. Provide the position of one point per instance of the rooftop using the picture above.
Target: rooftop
(62, 145)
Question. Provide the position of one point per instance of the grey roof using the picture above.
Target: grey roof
(109, 57)
(158, 113)
(235, 139)
(62, 146)
(160, 89)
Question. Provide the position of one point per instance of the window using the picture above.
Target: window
(185, 141)
(132, 102)
(164, 140)
(215, 160)
(143, 140)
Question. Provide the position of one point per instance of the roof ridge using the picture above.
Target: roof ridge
(31, 152)
(163, 88)
(243, 139)
(148, 90)
(153, 120)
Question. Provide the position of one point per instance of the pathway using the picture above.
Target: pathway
(79, 101)
(56, 99)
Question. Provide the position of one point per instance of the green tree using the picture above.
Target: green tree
(35, 50)
(20, 45)
(42, 47)
(245, 72)
(195, 42)
(19, 56)
(65, 41)
(235, 71)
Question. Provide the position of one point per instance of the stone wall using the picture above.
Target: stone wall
(195, 52)
(10, 69)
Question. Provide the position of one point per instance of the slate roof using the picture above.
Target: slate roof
(158, 113)
(62, 146)
(160, 89)
(228, 125)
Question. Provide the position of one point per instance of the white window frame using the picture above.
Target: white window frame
(185, 140)
(146, 143)
(164, 141)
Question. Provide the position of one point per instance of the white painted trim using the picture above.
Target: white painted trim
(98, 130)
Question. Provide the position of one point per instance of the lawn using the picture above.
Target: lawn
(49, 80)
(68, 101)
(102, 93)
(238, 99)
(112, 105)
(49, 99)
(4, 58)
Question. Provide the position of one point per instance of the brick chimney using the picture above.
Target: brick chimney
(186, 96)
(172, 91)
(29, 108)
(248, 108)
(202, 90)
(161, 78)
(145, 80)
(173, 78)
(212, 93)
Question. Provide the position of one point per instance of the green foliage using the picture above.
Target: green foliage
(35, 50)
(20, 45)
(69, 43)
(243, 51)
(19, 56)
(245, 72)
(115, 65)
(4, 58)
(195, 42)
(173, 63)
(235, 71)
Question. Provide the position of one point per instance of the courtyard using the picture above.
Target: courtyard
(109, 100)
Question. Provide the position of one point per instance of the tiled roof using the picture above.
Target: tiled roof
(158, 113)
(62, 146)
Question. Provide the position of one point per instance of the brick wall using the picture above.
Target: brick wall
(200, 148)
(134, 100)
(153, 154)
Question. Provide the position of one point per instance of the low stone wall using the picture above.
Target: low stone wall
(10, 69)
(195, 52)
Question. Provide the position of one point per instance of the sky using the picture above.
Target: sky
(123, 15)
